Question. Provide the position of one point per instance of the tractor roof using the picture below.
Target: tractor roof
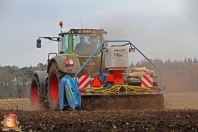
(82, 30)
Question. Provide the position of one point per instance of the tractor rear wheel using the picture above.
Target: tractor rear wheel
(54, 78)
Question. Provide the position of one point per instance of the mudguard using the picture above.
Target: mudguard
(41, 76)
(69, 95)
(60, 60)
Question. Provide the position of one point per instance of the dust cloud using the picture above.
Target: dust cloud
(157, 36)
(166, 36)
(29, 107)
(181, 101)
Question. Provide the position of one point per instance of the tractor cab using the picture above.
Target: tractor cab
(80, 41)
(77, 45)
(83, 42)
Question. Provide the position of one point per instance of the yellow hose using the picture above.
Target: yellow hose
(116, 89)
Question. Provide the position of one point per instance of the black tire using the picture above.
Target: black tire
(35, 96)
(54, 78)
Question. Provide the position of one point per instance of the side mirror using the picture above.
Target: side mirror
(38, 43)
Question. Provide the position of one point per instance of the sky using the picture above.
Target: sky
(163, 29)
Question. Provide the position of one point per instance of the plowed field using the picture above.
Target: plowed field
(181, 114)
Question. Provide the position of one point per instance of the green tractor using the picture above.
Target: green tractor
(74, 47)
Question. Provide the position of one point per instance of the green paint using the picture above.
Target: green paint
(69, 92)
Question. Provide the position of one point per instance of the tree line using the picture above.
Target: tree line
(178, 76)
(15, 82)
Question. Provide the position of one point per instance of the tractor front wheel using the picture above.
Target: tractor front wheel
(54, 78)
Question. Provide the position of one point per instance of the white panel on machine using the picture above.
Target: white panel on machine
(116, 58)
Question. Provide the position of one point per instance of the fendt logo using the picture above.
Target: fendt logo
(10, 123)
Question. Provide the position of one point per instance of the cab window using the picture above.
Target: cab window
(85, 44)
(65, 43)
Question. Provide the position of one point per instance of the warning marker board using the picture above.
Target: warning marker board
(147, 80)
(84, 81)
(96, 82)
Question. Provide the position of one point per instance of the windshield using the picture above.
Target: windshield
(85, 44)
(63, 44)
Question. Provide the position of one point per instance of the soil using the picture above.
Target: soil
(180, 115)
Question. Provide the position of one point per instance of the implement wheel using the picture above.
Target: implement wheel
(54, 78)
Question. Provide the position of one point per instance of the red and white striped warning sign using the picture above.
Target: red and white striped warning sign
(84, 81)
(147, 80)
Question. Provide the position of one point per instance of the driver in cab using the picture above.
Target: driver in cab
(83, 48)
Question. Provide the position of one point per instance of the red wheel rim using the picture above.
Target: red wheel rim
(54, 88)
(35, 93)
